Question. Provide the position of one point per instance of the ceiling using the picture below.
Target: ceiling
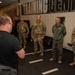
(7, 2)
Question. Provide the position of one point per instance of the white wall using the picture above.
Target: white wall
(49, 20)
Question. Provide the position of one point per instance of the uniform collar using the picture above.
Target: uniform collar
(38, 21)
(57, 26)
(21, 21)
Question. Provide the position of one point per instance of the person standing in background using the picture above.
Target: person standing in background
(73, 47)
(10, 48)
(23, 31)
(59, 31)
(38, 33)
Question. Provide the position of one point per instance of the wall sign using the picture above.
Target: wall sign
(48, 6)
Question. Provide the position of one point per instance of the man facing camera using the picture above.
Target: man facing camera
(10, 48)
(59, 31)
(23, 31)
(38, 33)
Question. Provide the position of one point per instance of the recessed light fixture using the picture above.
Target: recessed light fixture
(0, 1)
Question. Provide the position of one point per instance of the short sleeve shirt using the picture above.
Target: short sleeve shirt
(9, 45)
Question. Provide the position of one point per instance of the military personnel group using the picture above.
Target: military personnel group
(38, 32)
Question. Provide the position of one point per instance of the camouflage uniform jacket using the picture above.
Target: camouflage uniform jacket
(22, 27)
(38, 30)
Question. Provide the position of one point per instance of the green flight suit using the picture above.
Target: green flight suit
(38, 31)
(23, 31)
(58, 35)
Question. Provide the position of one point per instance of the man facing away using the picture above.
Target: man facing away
(23, 31)
(38, 33)
(59, 31)
(10, 48)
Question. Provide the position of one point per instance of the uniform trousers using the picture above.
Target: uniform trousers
(22, 38)
(39, 41)
(57, 47)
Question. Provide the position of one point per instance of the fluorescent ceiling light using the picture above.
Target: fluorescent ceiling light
(0, 1)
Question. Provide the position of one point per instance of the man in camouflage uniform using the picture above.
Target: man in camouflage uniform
(73, 47)
(38, 33)
(23, 31)
(59, 31)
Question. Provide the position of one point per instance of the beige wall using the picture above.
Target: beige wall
(49, 20)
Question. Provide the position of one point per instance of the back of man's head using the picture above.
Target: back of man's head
(5, 23)
(4, 19)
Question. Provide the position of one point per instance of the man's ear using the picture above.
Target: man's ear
(8, 25)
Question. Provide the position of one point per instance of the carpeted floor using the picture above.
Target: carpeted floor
(25, 68)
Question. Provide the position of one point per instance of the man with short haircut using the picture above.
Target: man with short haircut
(59, 31)
(10, 48)
(38, 33)
(23, 31)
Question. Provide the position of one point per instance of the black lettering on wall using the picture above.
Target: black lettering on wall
(47, 6)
